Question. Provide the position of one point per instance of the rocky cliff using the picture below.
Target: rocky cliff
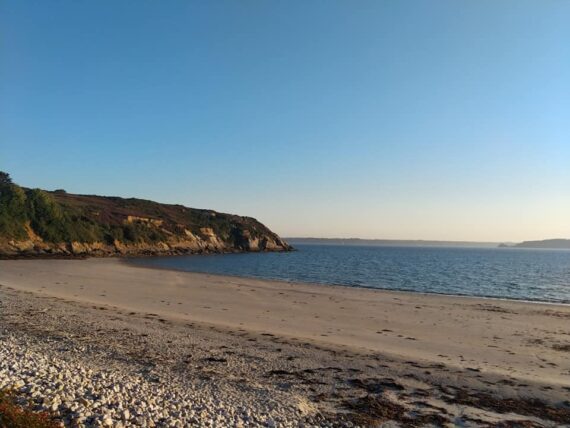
(35, 222)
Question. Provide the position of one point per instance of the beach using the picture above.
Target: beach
(292, 353)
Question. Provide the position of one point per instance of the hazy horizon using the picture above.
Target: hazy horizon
(384, 239)
(442, 121)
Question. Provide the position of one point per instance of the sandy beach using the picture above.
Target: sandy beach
(350, 356)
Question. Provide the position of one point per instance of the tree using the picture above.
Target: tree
(12, 208)
(5, 179)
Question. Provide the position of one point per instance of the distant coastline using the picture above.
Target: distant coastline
(390, 242)
(545, 243)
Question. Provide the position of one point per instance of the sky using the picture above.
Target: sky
(431, 119)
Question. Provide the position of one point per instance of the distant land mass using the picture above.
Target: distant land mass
(545, 243)
(36, 222)
(389, 242)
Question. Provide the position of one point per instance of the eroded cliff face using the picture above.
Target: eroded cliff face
(189, 243)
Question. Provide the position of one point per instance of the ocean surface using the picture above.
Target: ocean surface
(522, 274)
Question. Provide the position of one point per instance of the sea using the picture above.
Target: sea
(507, 273)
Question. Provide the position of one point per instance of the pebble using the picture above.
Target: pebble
(74, 389)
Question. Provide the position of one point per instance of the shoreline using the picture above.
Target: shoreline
(332, 349)
(128, 261)
(70, 255)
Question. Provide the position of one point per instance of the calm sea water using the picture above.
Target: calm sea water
(527, 274)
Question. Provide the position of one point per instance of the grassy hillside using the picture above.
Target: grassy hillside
(57, 217)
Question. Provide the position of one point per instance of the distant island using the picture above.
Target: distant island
(389, 242)
(545, 243)
(36, 222)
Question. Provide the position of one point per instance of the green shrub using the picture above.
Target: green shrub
(13, 213)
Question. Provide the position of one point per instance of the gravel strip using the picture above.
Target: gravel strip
(83, 394)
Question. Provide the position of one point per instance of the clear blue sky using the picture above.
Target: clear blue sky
(380, 119)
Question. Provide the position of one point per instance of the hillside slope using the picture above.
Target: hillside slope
(35, 222)
(546, 243)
